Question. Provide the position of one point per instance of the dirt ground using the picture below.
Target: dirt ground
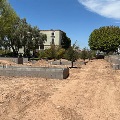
(91, 92)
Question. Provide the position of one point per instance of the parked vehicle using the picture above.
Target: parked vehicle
(100, 56)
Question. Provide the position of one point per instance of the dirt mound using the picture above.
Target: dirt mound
(7, 62)
(41, 63)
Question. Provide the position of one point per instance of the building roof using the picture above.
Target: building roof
(52, 30)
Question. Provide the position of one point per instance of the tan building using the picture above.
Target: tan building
(53, 37)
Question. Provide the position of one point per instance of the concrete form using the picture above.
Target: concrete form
(114, 60)
(58, 62)
(44, 72)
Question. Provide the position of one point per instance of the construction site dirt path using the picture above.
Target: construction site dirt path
(90, 93)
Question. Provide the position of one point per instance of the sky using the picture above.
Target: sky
(78, 18)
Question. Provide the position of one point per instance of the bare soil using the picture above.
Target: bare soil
(91, 92)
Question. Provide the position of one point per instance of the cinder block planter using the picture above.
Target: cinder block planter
(44, 72)
(66, 63)
(20, 61)
(61, 63)
(115, 66)
(115, 61)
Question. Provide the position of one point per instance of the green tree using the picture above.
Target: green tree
(16, 32)
(8, 20)
(51, 52)
(37, 39)
(66, 42)
(84, 54)
(72, 54)
(60, 52)
(27, 36)
(105, 39)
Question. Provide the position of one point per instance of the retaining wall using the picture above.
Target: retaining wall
(44, 72)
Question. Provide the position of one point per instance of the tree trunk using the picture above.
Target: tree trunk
(14, 52)
(24, 51)
(71, 64)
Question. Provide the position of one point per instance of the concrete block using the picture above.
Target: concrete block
(116, 66)
(65, 73)
(45, 72)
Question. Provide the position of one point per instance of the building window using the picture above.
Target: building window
(42, 47)
(52, 40)
(52, 33)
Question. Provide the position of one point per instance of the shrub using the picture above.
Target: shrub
(72, 54)
(60, 53)
(41, 54)
(84, 54)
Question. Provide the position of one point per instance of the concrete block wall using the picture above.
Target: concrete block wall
(114, 60)
(62, 62)
(67, 63)
(44, 72)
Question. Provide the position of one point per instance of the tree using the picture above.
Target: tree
(8, 20)
(72, 54)
(84, 54)
(66, 42)
(105, 39)
(37, 39)
(16, 32)
(51, 52)
(90, 54)
(27, 36)
(60, 52)
(54, 52)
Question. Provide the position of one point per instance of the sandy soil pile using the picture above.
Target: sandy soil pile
(42, 63)
(4, 62)
(89, 93)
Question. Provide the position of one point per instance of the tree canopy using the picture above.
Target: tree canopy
(8, 18)
(16, 32)
(72, 54)
(66, 42)
(105, 39)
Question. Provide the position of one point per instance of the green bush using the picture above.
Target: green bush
(6, 53)
(60, 52)
(53, 52)
(41, 54)
(84, 54)
(71, 54)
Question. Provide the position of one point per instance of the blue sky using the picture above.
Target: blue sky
(78, 18)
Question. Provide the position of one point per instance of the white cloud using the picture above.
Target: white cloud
(106, 8)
